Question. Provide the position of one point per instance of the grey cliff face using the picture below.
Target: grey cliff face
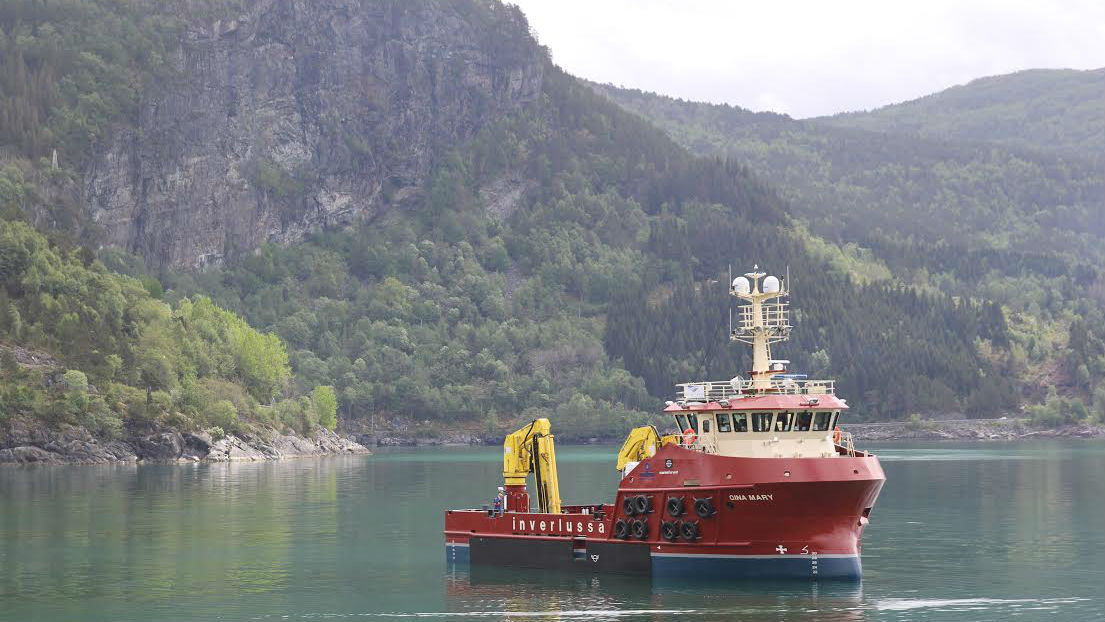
(299, 114)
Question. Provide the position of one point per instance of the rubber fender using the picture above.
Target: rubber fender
(621, 529)
(629, 507)
(675, 507)
(670, 530)
(642, 504)
(640, 529)
(689, 531)
(704, 507)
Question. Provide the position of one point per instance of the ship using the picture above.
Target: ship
(757, 481)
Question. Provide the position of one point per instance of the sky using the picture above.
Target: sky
(813, 58)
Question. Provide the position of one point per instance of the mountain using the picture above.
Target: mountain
(435, 220)
(878, 188)
(1016, 226)
(1053, 110)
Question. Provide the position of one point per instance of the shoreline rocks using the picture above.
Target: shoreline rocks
(967, 430)
(27, 443)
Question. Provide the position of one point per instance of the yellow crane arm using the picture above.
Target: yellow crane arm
(531, 450)
(642, 443)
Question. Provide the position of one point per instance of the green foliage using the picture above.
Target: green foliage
(1058, 411)
(1056, 110)
(584, 299)
(270, 177)
(325, 403)
(69, 68)
(150, 363)
(1019, 231)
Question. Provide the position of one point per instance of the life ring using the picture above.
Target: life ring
(704, 507)
(675, 506)
(629, 506)
(689, 531)
(689, 437)
(669, 531)
(621, 529)
(640, 530)
(642, 504)
(836, 435)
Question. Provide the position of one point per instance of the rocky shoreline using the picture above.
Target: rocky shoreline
(929, 430)
(26, 443)
(967, 430)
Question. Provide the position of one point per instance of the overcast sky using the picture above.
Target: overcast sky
(813, 58)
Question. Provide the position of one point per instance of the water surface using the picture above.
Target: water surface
(990, 531)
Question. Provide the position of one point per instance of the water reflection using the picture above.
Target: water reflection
(981, 532)
(529, 593)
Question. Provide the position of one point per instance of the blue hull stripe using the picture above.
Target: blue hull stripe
(714, 566)
(456, 553)
(758, 566)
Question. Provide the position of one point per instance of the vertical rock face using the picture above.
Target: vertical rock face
(300, 113)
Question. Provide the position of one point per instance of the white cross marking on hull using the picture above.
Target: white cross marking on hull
(782, 549)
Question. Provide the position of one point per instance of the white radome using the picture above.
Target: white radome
(771, 285)
(741, 285)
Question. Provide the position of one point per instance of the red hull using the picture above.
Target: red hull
(764, 509)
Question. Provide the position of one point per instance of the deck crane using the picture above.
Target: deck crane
(642, 443)
(530, 450)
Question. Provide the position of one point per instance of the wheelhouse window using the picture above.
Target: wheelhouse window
(740, 422)
(681, 421)
(782, 422)
(705, 424)
(692, 423)
(761, 422)
(822, 421)
(804, 421)
(723, 423)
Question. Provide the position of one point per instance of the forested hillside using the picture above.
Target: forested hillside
(126, 362)
(81, 344)
(1020, 228)
(1052, 110)
(544, 253)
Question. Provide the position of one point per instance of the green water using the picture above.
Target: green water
(964, 531)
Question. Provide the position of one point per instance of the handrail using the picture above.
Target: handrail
(848, 443)
(716, 390)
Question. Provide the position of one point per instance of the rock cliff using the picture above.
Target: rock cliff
(28, 442)
(296, 114)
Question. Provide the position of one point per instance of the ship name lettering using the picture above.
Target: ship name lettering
(767, 497)
(590, 528)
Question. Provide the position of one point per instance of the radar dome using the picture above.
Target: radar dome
(771, 285)
(741, 285)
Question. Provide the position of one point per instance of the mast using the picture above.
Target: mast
(764, 320)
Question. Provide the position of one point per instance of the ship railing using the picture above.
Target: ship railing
(847, 442)
(738, 388)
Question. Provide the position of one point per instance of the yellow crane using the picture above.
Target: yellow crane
(530, 450)
(642, 443)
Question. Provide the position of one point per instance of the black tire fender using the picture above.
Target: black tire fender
(640, 529)
(675, 506)
(704, 507)
(689, 531)
(621, 529)
(629, 507)
(642, 504)
(670, 530)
